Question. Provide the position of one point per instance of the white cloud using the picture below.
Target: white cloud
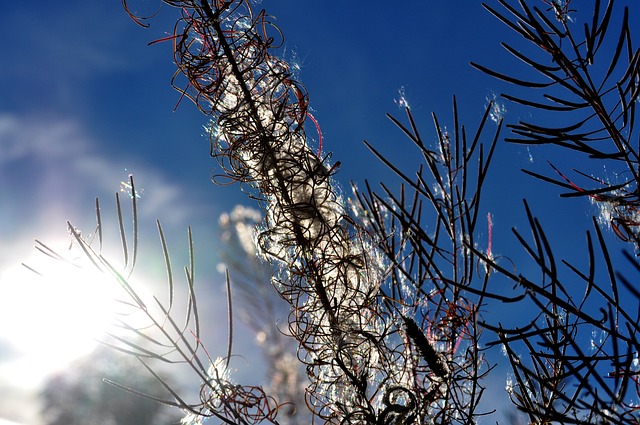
(51, 169)
(20, 406)
(22, 137)
(61, 165)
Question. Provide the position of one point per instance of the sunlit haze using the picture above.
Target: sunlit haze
(85, 101)
(45, 331)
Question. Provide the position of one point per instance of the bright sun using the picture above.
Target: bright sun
(51, 319)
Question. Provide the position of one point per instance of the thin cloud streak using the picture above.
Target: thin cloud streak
(56, 162)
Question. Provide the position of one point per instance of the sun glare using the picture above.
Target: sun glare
(52, 318)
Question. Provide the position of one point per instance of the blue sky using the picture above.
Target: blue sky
(84, 101)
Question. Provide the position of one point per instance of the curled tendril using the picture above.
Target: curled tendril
(357, 353)
(399, 403)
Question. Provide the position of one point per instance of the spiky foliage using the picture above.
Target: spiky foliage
(382, 333)
(591, 77)
(582, 342)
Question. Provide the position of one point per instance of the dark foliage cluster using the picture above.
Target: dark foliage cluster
(591, 79)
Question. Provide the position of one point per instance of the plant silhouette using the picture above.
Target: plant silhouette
(389, 290)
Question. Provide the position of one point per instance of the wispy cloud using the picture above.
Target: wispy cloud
(57, 164)
(51, 169)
